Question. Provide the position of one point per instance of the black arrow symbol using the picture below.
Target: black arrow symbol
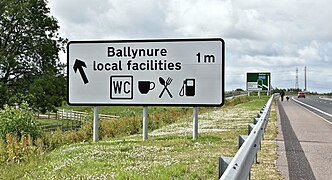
(79, 65)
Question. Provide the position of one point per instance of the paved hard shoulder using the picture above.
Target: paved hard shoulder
(308, 142)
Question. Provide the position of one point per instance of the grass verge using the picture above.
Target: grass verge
(266, 166)
(170, 153)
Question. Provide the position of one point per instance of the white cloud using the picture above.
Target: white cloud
(258, 20)
(275, 36)
(199, 18)
(112, 19)
(310, 52)
(268, 62)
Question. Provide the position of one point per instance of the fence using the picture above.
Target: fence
(239, 167)
(70, 119)
(80, 116)
(63, 125)
(71, 115)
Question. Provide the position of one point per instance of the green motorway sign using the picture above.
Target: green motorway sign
(259, 81)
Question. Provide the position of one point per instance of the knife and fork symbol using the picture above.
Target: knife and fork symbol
(165, 84)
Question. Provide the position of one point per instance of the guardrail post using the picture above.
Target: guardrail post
(258, 115)
(250, 128)
(263, 129)
(223, 164)
(242, 138)
(256, 120)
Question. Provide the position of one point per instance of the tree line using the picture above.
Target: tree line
(30, 68)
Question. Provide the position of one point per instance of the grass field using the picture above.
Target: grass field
(170, 152)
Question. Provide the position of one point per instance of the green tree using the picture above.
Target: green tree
(29, 46)
(46, 96)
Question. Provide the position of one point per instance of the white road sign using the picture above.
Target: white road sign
(146, 72)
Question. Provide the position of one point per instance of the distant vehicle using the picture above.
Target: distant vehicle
(300, 94)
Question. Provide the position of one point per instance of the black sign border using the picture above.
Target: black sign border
(150, 40)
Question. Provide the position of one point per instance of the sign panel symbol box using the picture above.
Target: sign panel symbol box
(121, 87)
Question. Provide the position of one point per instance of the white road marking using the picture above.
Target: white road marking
(329, 99)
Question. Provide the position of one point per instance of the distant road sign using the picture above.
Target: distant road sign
(146, 72)
(259, 81)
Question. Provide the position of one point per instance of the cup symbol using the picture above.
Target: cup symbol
(145, 86)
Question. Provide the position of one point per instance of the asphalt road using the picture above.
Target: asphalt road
(304, 139)
(319, 105)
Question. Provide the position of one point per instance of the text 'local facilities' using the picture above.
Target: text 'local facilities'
(186, 72)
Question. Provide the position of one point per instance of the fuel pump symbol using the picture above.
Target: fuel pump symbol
(188, 88)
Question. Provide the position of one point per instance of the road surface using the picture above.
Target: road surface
(319, 105)
(305, 138)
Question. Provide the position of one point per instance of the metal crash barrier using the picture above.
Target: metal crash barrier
(239, 166)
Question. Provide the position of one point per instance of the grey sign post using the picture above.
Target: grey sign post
(95, 124)
(145, 123)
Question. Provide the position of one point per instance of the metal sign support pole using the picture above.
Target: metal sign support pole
(195, 123)
(95, 124)
(268, 83)
(145, 123)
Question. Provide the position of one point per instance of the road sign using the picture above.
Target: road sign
(258, 81)
(146, 72)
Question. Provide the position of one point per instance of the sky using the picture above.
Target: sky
(276, 36)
